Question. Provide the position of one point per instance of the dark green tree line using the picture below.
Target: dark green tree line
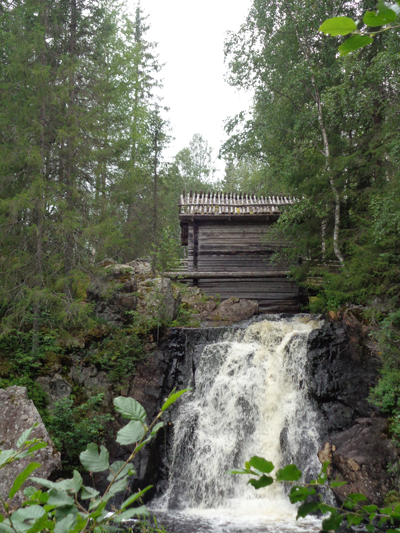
(79, 152)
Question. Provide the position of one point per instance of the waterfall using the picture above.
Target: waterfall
(249, 397)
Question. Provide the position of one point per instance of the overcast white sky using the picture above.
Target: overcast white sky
(190, 36)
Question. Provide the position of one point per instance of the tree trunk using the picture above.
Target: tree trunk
(326, 151)
(69, 167)
(155, 185)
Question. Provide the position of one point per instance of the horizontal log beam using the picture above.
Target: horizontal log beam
(221, 275)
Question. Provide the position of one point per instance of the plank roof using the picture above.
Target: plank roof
(232, 204)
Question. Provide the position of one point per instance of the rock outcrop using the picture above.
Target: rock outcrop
(18, 414)
(212, 313)
(114, 293)
(361, 456)
(56, 388)
(343, 366)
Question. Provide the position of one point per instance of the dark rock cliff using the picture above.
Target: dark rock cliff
(342, 368)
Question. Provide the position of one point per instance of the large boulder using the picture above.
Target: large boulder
(142, 267)
(233, 310)
(156, 299)
(212, 313)
(18, 414)
(361, 456)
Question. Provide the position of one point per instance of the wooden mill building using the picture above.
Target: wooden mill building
(229, 248)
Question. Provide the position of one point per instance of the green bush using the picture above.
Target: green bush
(72, 428)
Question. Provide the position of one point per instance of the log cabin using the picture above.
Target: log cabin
(230, 250)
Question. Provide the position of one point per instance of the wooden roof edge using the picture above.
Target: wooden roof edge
(221, 198)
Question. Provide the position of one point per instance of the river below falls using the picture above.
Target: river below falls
(215, 521)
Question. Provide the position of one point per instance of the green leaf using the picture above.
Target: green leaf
(299, 494)
(172, 399)
(131, 433)
(288, 473)
(92, 460)
(338, 26)
(263, 481)
(44, 482)
(333, 522)
(369, 508)
(130, 513)
(325, 508)
(35, 447)
(140, 446)
(135, 497)
(354, 43)
(59, 497)
(261, 464)
(242, 471)
(40, 525)
(129, 408)
(77, 481)
(354, 519)
(21, 478)
(66, 524)
(29, 492)
(127, 470)
(370, 528)
(357, 497)
(383, 16)
(26, 513)
(88, 493)
(306, 508)
(156, 428)
(24, 436)
(338, 483)
(4, 527)
(5, 455)
(117, 486)
(97, 512)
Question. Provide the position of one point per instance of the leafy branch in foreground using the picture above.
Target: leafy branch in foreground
(353, 509)
(383, 19)
(70, 506)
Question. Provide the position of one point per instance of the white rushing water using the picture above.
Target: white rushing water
(249, 398)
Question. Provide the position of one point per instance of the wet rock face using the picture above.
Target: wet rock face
(18, 414)
(361, 456)
(341, 368)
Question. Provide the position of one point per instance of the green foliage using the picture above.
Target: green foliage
(353, 510)
(151, 526)
(338, 26)
(73, 427)
(119, 352)
(172, 399)
(61, 509)
(383, 18)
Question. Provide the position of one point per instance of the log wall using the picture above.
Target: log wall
(240, 246)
